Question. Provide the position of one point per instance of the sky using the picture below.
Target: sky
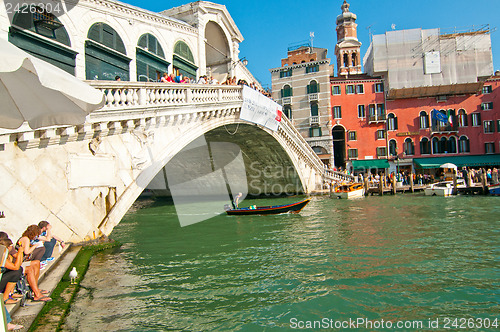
(271, 26)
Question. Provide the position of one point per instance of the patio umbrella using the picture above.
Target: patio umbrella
(44, 95)
(448, 165)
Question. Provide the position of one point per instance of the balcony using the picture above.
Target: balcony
(376, 118)
(314, 120)
(312, 97)
(286, 101)
(444, 128)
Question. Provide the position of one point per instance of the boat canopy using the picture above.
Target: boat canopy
(369, 163)
(460, 161)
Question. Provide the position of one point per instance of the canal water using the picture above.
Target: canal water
(404, 259)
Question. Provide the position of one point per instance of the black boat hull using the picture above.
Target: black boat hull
(276, 209)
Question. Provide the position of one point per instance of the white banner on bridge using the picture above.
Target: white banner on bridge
(259, 109)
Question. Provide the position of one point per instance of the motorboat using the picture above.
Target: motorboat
(494, 189)
(443, 188)
(274, 209)
(350, 190)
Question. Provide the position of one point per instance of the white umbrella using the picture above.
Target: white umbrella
(448, 165)
(35, 91)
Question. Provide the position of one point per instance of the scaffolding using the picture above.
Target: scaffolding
(419, 63)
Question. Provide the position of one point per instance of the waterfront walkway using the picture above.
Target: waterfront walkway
(49, 279)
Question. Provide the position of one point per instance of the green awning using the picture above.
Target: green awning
(460, 161)
(369, 163)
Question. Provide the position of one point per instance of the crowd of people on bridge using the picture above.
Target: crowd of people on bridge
(25, 259)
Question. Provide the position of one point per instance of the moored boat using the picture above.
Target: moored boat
(274, 209)
(443, 188)
(351, 190)
(494, 189)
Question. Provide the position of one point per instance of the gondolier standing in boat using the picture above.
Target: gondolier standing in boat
(237, 200)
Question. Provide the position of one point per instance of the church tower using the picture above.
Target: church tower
(348, 47)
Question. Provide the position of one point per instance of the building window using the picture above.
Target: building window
(425, 146)
(361, 111)
(393, 147)
(349, 89)
(286, 91)
(312, 69)
(352, 153)
(489, 126)
(286, 73)
(487, 106)
(360, 89)
(489, 147)
(451, 146)
(336, 90)
(352, 135)
(463, 145)
(498, 126)
(392, 122)
(380, 134)
(476, 119)
(337, 112)
(287, 110)
(314, 109)
(462, 118)
(313, 87)
(315, 132)
(424, 120)
(487, 89)
(381, 151)
(379, 87)
(409, 147)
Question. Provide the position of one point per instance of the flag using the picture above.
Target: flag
(450, 117)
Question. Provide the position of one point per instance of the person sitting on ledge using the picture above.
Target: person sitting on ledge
(49, 240)
(11, 273)
(32, 267)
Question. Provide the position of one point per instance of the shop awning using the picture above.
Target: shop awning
(460, 161)
(369, 163)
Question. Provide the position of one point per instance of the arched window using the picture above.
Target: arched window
(150, 59)
(286, 91)
(313, 87)
(424, 120)
(392, 122)
(462, 118)
(354, 59)
(314, 109)
(409, 147)
(393, 147)
(463, 145)
(452, 145)
(105, 54)
(346, 60)
(435, 145)
(183, 61)
(53, 46)
(443, 145)
(425, 146)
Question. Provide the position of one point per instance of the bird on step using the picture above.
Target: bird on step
(73, 275)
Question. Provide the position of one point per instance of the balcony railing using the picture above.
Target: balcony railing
(312, 97)
(314, 120)
(444, 128)
(377, 118)
(286, 101)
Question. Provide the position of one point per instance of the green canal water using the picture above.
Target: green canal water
(406, 258)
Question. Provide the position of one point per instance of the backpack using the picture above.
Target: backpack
(24, 289)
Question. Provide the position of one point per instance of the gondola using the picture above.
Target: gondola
(275, 209)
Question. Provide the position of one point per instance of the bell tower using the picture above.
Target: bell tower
(348, 47)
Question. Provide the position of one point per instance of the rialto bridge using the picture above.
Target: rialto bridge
(83, 179)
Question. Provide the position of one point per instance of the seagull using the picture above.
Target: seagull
(73, 275)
